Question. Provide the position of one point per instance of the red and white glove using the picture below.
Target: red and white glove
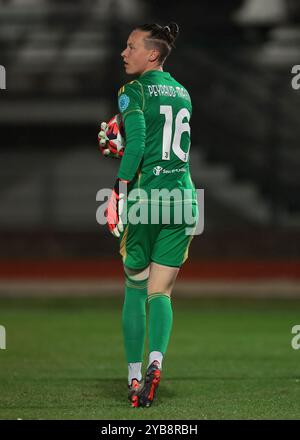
(111, 137)
(115, 207)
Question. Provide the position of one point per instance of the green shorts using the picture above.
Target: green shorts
(163, 243)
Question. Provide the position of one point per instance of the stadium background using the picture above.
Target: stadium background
(63, 71)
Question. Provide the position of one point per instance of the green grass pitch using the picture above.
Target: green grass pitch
(227, 359)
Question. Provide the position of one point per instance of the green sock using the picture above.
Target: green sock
(134, 319)
(160, 321)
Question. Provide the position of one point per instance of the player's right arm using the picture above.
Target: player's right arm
(130, 103)
(131, 107)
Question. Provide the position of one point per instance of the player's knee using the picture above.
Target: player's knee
(160, 283)
(167, 290)
(137, 274)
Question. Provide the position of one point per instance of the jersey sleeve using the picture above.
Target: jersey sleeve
(130, 99)
(135, 130)
(131, 104)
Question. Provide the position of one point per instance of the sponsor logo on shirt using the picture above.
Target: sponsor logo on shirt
(159, 170)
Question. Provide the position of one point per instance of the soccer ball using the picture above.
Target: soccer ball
(114, 135)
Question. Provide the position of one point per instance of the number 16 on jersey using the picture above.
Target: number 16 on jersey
(180, 128)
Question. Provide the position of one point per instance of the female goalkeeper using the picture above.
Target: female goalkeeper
(156, 111)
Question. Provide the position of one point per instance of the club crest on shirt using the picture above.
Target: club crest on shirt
(124, 101)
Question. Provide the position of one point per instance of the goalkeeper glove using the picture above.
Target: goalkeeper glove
(111, 137)
(115, 207)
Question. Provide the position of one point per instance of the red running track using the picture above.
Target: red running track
(192, 270)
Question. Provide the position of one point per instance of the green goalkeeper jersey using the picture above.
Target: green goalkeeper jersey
(156, 111)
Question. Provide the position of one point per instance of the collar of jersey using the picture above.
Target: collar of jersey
(155, 72)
